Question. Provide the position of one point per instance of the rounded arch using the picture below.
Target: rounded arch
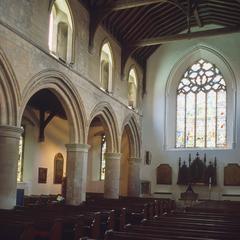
(109, 120)
(132, 87)
(178, 70)
(134, 132)
(106, 57)
(55, 21)
(134, 68)
(64, 90)
(10, 96)
(106, 41)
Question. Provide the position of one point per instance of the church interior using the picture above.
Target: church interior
(119, 119)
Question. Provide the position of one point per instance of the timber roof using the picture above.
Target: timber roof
(141, 26)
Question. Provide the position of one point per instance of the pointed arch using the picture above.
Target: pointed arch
(109, 120)
(180, 67)
(10, 95)
(134, 132)
(66, 93)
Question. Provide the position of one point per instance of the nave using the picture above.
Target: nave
(130, 218)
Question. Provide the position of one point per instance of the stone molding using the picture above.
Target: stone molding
(112, 156)
(77, 147)
(135, 160)
(10, 131)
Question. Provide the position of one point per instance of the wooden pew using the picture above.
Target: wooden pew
(177, 231)
(114, 235)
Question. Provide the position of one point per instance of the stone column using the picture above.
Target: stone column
(9, 146)
(112, 175)
(134, 176)
(76, 173)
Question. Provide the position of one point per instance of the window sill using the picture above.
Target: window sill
(68, 64)
(197, 149)
(106, 91)
(133, 109)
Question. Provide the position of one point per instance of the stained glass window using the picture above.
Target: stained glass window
(102, 160)
(20, 158)
(201, 107)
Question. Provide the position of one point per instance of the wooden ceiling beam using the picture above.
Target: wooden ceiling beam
(197, 17)
(152, 28)
(185, 36)
(127, 4)
(98, 13)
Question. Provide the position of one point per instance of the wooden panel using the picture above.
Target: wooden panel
(145, 187)
(42, 175)
(164, 174)
(232, 175)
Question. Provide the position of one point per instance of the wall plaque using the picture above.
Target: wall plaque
(145, 187)
(58, 168)
(232, 175)
(164, 174)
(42, 175)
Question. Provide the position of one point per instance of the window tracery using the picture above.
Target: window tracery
(201, 107)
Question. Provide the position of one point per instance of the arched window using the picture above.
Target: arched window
(60, 39)
(20, 157)
(106, 67)
(132, 88)
(201, 107)
(102, 157)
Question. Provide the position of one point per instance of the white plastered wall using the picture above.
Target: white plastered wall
(41, 155)
(160, 105)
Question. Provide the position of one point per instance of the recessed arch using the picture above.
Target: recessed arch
(132, 87)
(10, 95)
(105, 112)
(66, 93)
(134, 133)
(61, 30)
(180, 67)
(106, 66)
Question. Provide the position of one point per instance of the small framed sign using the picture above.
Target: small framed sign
(42, 175)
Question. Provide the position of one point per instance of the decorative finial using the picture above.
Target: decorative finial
(189, 159)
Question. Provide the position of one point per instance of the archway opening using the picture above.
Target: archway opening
(42, 151)
(99, 141)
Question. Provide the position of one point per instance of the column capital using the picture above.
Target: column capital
(77, 147)
(134, 160)
(10, 131)
(112, 156)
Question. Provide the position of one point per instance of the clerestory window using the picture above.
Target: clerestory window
(60, 39)
(132, 89)
(106, 67)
